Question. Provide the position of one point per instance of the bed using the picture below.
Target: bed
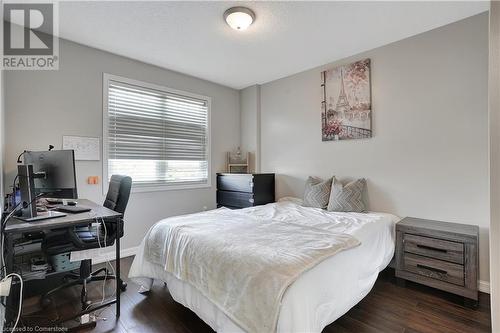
(323, 292)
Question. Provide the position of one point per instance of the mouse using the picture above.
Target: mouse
(71, 203)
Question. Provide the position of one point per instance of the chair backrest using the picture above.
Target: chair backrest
(118, 193)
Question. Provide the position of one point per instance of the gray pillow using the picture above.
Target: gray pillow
(347, 198)
(317, 192)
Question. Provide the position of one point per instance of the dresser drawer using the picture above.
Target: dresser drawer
(235, 182)
(433, 268)
(434, 248)
(235, 199)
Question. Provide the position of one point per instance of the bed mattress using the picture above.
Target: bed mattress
(320, 295)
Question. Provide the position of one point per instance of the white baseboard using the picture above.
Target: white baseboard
(131, 251)
(484, 286)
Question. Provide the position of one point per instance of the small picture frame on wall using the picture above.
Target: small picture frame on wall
(346, 108)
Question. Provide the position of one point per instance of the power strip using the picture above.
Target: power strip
(85, 319)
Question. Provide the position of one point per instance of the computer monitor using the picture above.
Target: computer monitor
(56, 173)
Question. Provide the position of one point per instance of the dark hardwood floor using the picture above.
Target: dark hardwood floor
(388, 308)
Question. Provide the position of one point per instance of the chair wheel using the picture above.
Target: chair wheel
(123, 286)
(45, 302)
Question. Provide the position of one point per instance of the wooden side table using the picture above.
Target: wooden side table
(439, 254)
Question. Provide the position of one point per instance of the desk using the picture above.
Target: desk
(15, 226)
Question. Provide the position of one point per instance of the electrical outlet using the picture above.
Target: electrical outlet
(5, 286)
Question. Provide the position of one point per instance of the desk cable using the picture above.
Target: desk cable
(13, 329)
(4, 222)
(97, 316)
(4, 268)
(14, 210)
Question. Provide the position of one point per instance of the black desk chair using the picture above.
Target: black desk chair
(83, 238)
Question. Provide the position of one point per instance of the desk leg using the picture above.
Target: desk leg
(9, 254)
(117, 268)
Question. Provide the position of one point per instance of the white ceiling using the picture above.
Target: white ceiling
(286, 38)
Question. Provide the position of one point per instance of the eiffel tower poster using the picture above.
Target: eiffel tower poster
(346, 109)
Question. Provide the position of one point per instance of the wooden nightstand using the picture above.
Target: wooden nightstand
(438, 254)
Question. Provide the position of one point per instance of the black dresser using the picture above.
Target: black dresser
(244, 190)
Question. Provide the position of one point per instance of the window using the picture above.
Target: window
(158, 136)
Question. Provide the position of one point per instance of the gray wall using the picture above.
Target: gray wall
(494, 112)
(249, 123)
(429, 154)
(2, 138)
(42, 106)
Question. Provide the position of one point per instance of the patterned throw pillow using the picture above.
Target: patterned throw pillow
(317, 192)
(347, 198)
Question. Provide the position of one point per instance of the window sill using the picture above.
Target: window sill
(161, 188)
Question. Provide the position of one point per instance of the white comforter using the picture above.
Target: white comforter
(241, 261)
(318, 296)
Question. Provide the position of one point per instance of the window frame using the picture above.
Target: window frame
(105, 121)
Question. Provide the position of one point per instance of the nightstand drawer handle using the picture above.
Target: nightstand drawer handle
(431, 248)
(437, 270)
(251, 200)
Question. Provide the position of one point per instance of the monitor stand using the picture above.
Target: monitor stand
(42, 216)
(28, 196)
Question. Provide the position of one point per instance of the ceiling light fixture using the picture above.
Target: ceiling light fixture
(239, 18)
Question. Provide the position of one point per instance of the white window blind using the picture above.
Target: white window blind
(159, 138)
